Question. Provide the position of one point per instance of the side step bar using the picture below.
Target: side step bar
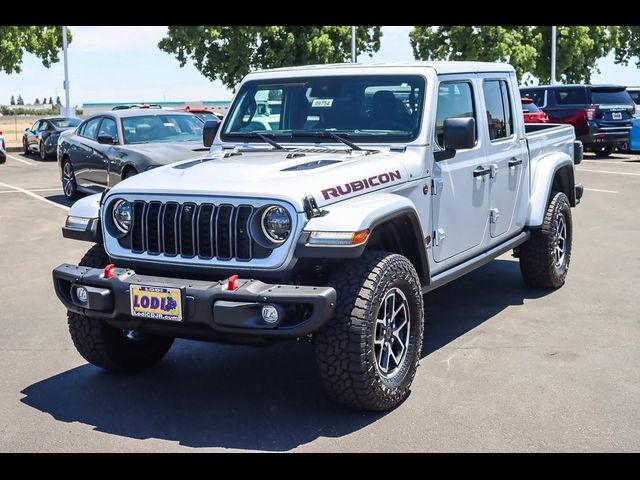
(476, 262)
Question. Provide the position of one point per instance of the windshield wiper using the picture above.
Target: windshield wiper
(262, 137)
(325, 134)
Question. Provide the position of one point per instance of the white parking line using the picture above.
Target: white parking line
(31, 194)
(17, 159)
(599, 190)
(34, 190)
(611, 162)
(609, 171)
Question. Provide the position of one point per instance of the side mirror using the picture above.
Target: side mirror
(26, 129)
(458, 134)
(107, 140)
(209, 132)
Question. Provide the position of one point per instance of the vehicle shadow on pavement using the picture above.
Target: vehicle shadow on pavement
(457, 307)
(207, 395)
(61, 199)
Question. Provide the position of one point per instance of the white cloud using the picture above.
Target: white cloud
(115, 39)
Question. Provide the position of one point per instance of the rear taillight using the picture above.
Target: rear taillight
(590, 111)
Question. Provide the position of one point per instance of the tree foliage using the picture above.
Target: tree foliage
(527, 48)
(20, 100)
(45, 42)
(13, 100)
(37, 101)
(229, 53)
(628, 45)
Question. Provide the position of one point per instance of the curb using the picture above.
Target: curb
(14, 149)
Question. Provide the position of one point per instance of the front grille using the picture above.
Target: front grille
(190, 230)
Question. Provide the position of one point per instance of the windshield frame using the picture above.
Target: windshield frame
(417, 79)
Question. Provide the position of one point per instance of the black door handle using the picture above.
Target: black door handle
(480, 171)
(514, 162)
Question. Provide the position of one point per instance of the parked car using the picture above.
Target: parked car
(330, 226)
(109, 147)
(532, 114)
(635, 95)
(600, 114)
(203, 113)
(43, 135)
(3, 149)
(136, 105)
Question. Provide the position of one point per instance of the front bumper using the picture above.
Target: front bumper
(210, 310)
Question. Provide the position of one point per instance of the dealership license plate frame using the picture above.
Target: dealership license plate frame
(159, 312)
(616, 115)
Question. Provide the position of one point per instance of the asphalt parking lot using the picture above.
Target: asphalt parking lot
(504, 368)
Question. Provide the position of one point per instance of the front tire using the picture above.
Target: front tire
(69, 183)
(368, 352)
(108, 347)
(25, 147)
(545, 257)
(42, 152)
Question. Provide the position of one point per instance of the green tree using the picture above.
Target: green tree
(58, 102)
(20, 100)
(50, 102)
(527, 48)
(37, 102)
(43, 41)
(628, 45)
(13, 100)
(229, 53)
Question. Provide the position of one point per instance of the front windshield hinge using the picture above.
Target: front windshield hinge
(311, 207)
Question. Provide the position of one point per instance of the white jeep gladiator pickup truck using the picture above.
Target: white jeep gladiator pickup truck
(325, 216)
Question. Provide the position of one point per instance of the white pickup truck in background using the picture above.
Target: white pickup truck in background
(325, 215)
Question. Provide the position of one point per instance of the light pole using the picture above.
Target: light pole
(553, 55)
(354, 55)
(68, 112)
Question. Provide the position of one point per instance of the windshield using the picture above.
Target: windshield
(368, 108)
(162, 128)
(206, 116)
(65, 122)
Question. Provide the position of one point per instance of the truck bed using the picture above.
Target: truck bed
(546, 138)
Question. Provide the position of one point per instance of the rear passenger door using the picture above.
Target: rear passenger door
(506, 154)
(87, 166)
(459, 205)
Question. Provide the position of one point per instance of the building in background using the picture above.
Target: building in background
(216, 106)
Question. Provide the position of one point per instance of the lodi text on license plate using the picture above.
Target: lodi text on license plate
(156, 302)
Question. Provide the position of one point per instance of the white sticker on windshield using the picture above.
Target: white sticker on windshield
(322, 102)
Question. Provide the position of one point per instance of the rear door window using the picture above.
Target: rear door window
(571, 96)
(537, 95)
(91, 128)
(635, 95)
(496, 99)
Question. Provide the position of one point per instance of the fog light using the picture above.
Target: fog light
(81, 294)
(270, 314)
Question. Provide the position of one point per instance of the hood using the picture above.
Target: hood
(328, 175)
(163, 153)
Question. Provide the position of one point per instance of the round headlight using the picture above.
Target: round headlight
(122, 214)
(276, 223)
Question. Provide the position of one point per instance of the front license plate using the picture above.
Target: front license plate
(156, 302)
(617, 115)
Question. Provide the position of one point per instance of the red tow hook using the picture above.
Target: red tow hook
(231, 285)
(107, 270)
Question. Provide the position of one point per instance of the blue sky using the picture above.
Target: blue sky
(108, 64)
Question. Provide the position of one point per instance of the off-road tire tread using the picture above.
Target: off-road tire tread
(342, 345)
(536, 254)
